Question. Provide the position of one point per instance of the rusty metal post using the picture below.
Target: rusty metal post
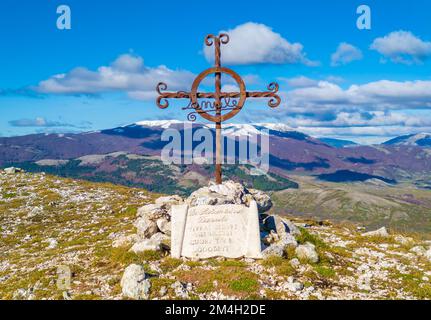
(218, 171)
(219, 138)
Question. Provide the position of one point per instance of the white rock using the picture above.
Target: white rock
(163, 291)
(180, 290)
(307, 252)
(134, 283)
(216, 194)
(295, 263)
(263, 200)
(163, 239)
(273, 250)
(364, 281)
(289, 227)
(23, 294)
(169, 200)
(229, 189)
(419, 250)
(159, 236)
(152, 211)
(229, 192)
(164, 225)
(52, 243)
(428, 254)
(146, 227)
(403, 240)
(288, 240)
(382, 232)
(34, 212)
(285, 229)
(125, 241)
(272, 237)
(146, 245)
(293, 286)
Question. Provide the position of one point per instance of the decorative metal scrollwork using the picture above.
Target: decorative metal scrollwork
(224, 105)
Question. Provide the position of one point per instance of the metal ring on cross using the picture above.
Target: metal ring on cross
(230, 114)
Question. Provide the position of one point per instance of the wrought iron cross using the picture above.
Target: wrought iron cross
(224, 106)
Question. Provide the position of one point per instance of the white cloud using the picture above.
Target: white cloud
(44, 123)
(374, 127)
(367, 112)
(345, 54)
(300, 82)
(254, 43)
(402, 47)
(127, 73)
(374, 119)
(230, 88)
(378, 95)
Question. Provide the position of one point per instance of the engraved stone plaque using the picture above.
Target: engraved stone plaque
(206, 231)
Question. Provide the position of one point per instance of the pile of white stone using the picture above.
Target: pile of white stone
(153, 227)
(153, 224)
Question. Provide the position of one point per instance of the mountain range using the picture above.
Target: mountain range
(130, 155)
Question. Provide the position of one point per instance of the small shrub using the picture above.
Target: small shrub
(306, 236)
(272, 261)
(157, 284)
(285, 269)
(245, 284)
(205, 287)
(193, 264)
(169, 264)
(290, 251)
(324, 271)
(232, 263)
(150, 255)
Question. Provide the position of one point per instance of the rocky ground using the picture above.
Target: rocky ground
(47, 222)
(115, 243)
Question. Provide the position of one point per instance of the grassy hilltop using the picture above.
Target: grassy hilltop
(48, 221)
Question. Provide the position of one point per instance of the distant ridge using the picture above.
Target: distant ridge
(418, 139)
(338, 143)
(291, 151)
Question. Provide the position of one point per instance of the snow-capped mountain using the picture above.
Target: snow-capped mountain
(290, 150)
(228, 129)
(419, 139)
(159, 123)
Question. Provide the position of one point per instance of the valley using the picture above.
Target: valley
(372, 204)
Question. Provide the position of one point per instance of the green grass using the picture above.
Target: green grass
(232, 263)
(306, 236)
(326, 272)
(157, 284)
(231, 280)
(244, 284)
(413, 283)
(168, 264)
(285, 269)
(273, 261)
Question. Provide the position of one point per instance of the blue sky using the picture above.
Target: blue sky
(335, 80)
